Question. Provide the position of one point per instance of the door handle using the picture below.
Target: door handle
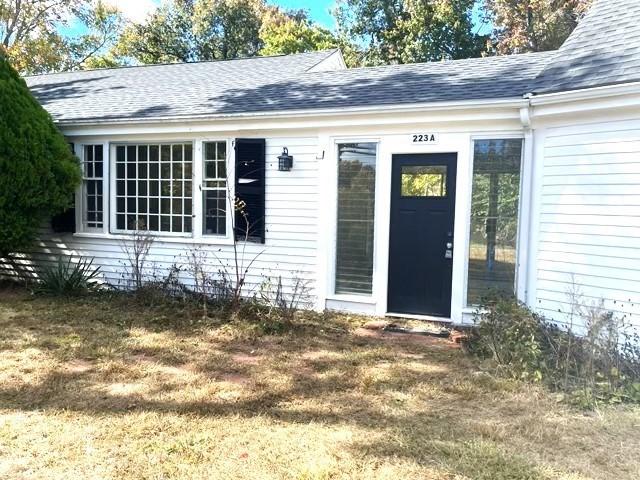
(448, 253)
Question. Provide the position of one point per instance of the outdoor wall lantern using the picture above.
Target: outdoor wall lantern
(285, 161)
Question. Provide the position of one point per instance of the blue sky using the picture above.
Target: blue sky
(319, 11)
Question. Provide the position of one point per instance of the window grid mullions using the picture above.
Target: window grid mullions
(214, 189)
(92, 187)
(162, 209)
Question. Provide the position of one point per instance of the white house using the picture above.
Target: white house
(413, 188)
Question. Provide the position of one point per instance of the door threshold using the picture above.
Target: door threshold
(427, 318)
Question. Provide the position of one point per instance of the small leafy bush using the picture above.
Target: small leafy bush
(513, 336)
(600, 366)
(68, 278)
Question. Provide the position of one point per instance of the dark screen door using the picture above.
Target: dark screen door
(421, 238)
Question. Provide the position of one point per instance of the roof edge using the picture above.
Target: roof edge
(328, 51)
(515, 103)
(587, 93)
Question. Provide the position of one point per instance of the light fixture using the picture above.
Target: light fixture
(285, 161)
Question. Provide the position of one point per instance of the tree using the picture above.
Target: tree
(195, 30)
(406, 31)
(167, 36)
(38, 172)
(533, 25)
(283, 34)
(30, 33)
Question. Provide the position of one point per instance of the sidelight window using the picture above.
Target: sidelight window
(355, 229)
(494, 218)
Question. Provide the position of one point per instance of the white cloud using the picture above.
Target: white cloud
(135, 10)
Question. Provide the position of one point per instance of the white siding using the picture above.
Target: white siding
(589, 223)
(290, 250)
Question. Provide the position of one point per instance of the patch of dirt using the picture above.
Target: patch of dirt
(316, 355)
(78, 365)
(246, 359)
(142, 358)
(125, 389)
(411, 338)
(235, 378)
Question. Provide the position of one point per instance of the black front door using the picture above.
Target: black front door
(423, 196)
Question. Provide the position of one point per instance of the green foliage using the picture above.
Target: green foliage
(408, 31)
(533, 25)
(167, 36)
(36, 36)
(67, 278)
(600, 366)
(512, 336)
(38, 172)
(227, 29)
(31, 33)
(295, 36)
(201, 30)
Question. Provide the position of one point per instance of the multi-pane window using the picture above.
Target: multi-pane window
(92, 194)
(494, 218)
(355, 230)
(214, 188)
(153, 184)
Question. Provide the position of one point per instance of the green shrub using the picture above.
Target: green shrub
(67, 278)
(38, 172)
(602, 365)
(512, 335)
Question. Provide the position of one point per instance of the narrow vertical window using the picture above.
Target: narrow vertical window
(494, 218)
(92, 184)
(355, 229)
(214, 188)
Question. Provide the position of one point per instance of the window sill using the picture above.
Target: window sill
(159, 238)
(352, 299)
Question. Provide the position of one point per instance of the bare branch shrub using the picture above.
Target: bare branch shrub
(136, 249)
(206, 286)
(285, 303)
(233, 273)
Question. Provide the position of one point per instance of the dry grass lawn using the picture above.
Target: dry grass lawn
(105, 389)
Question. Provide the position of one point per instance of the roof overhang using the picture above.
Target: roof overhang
(488, 104)
(576, 102)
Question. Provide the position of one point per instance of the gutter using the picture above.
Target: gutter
(515, 103)
(583, 94)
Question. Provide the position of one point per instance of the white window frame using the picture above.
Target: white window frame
(333, 230)
(79, 150)
(229, 190)
(523, 206)
(113, 230)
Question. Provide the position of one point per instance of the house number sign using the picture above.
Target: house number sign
(431, 138)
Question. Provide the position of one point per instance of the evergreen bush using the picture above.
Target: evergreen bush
(38, 171)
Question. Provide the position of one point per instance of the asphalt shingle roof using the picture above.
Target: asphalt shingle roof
(603, 50)
(272, 84)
